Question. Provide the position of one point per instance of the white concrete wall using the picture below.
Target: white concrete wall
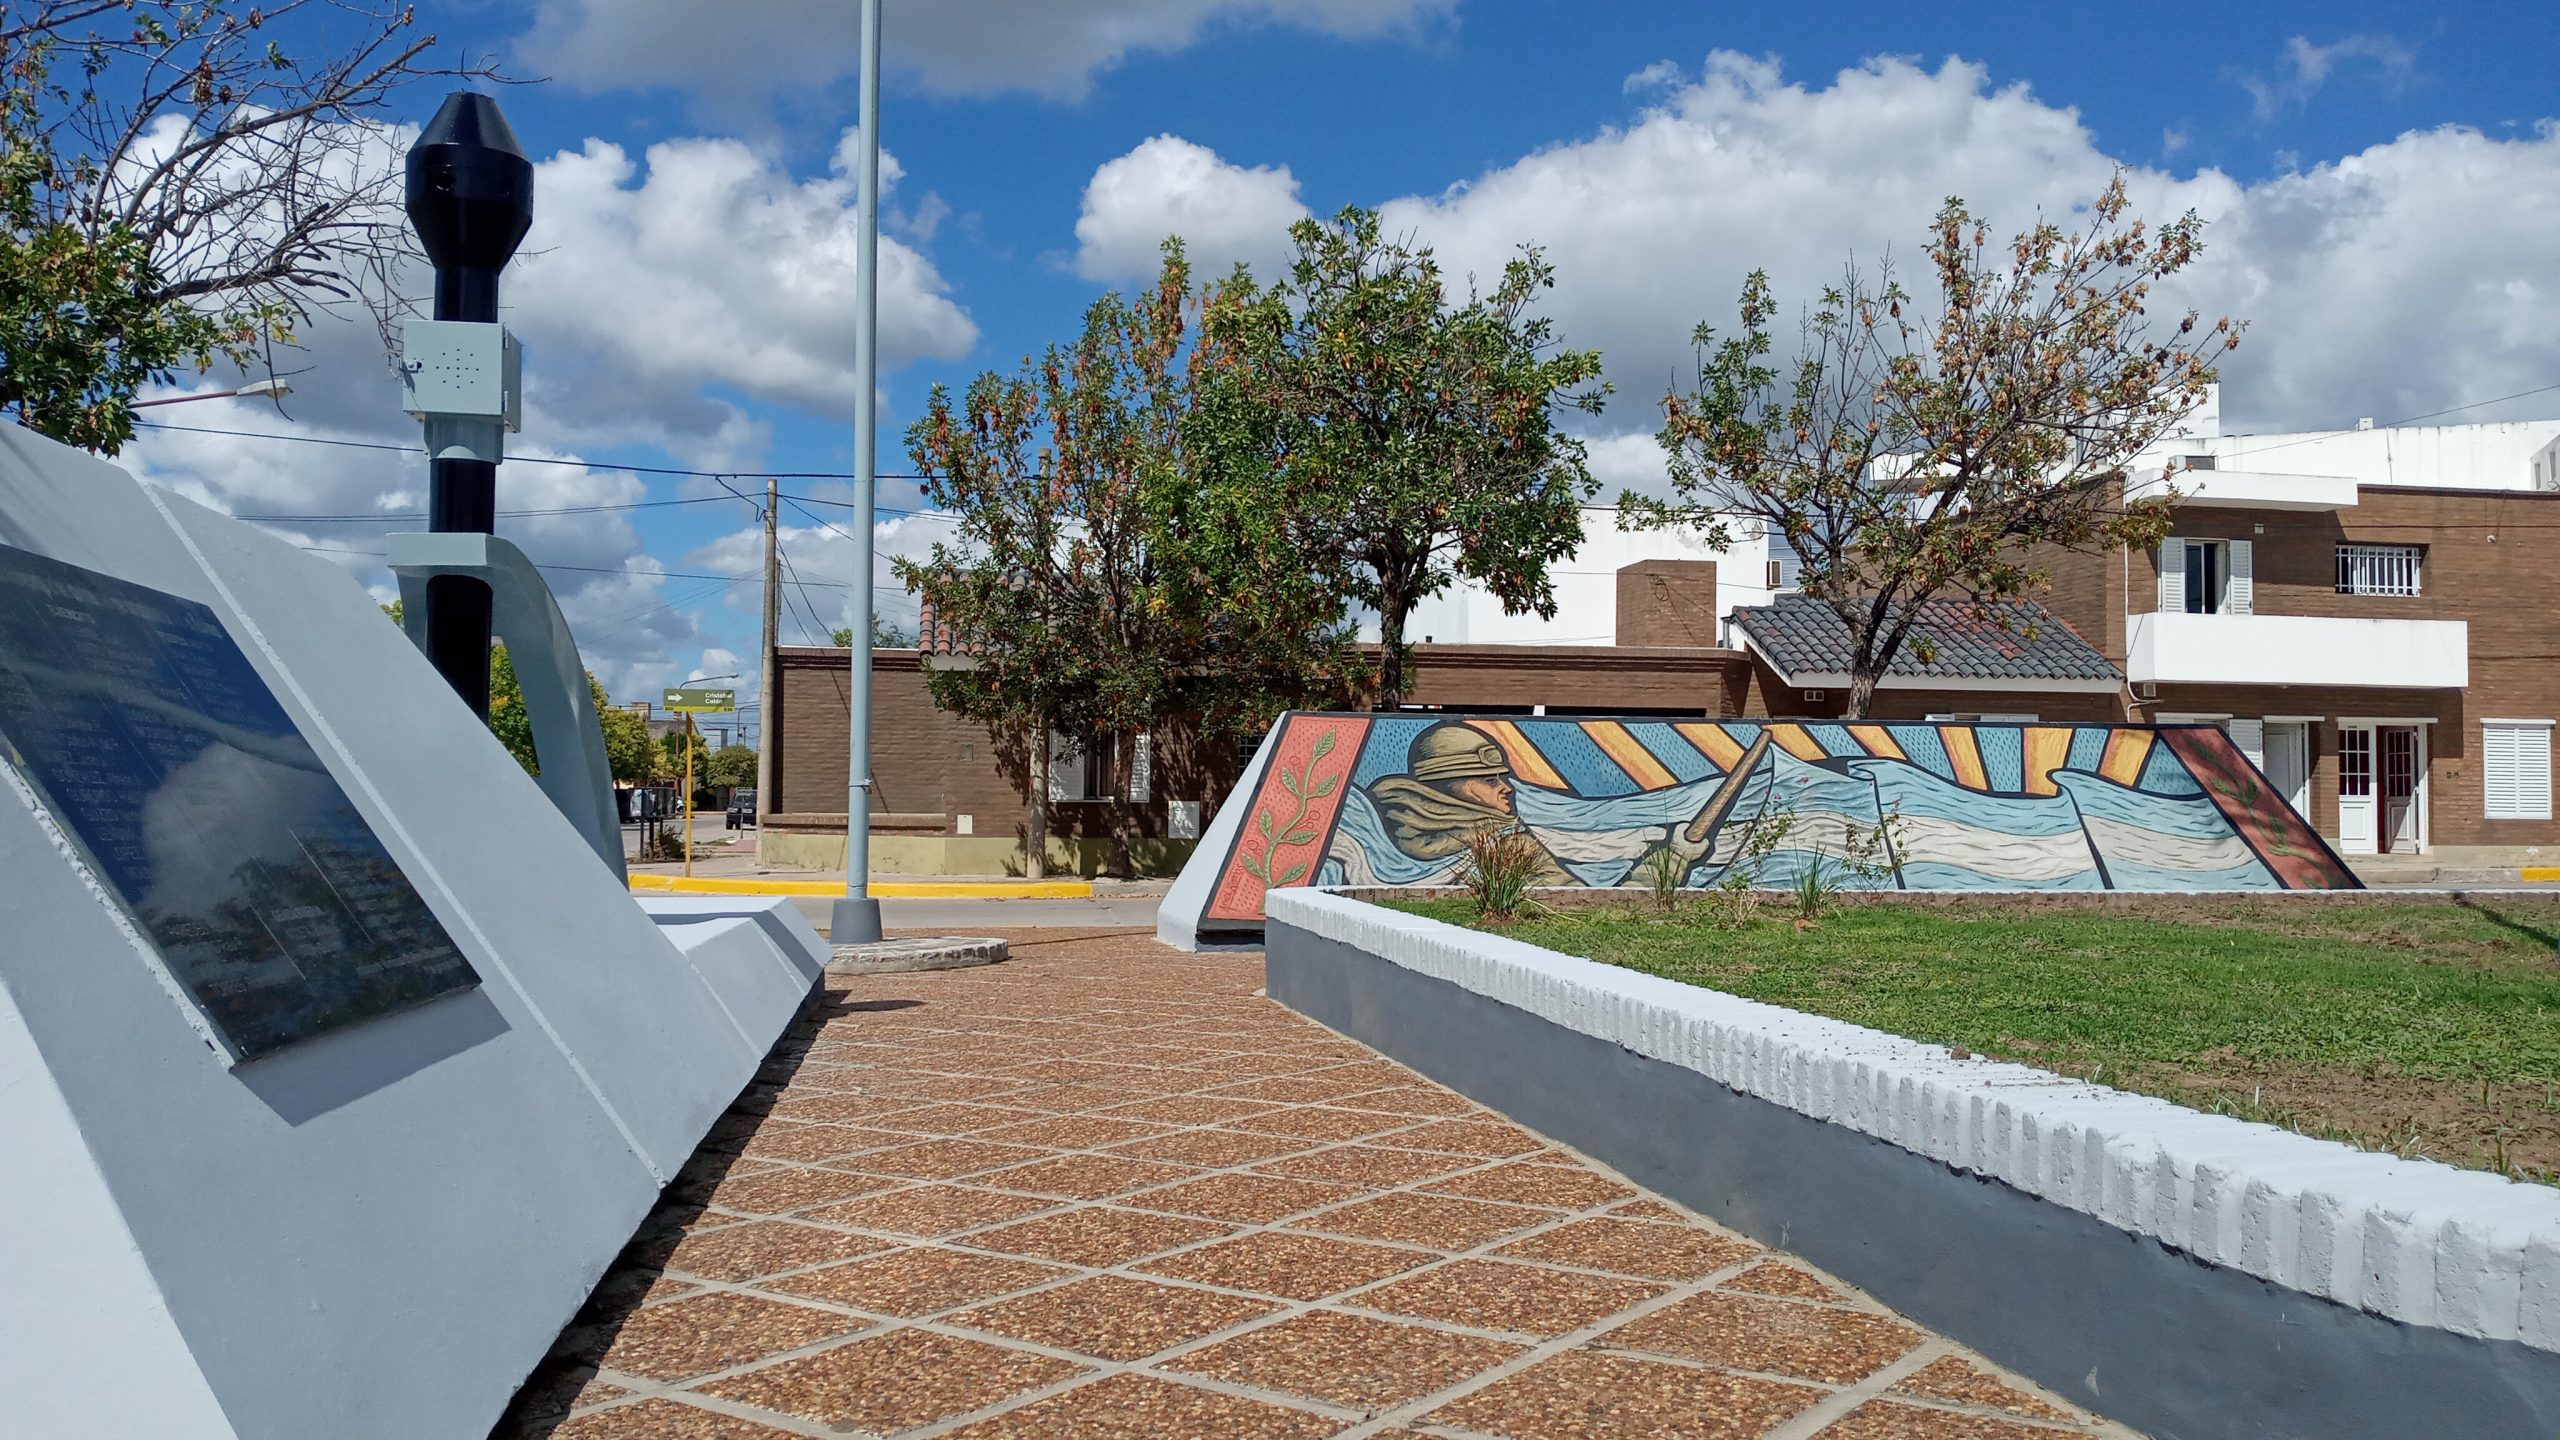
(2299, 650)
(1587, 589)
(2412, 1240)
(2464, 457)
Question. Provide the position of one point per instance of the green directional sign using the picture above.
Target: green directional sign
(698, 701)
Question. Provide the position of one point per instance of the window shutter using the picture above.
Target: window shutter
(2251, 737)
(1142, 768)
(2515, 771)
(2173, 575)
(2240, 590)
(1066, 768)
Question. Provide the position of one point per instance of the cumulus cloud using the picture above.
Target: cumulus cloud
(657, 296)
(340, 503)
(950, 46)
(2409, 277)
(703, 263)
(1224, 212)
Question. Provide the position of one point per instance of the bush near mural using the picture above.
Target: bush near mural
(1394, 799)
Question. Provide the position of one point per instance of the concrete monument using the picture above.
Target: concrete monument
(335, 1065)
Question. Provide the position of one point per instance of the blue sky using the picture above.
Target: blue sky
(2383, 182)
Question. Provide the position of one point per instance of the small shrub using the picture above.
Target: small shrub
(1502, 865)
(1814, 884)
(1664, 872)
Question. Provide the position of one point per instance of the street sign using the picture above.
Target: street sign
(697, 701)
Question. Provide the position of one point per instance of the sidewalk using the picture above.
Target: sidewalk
(729, 874)
(1106, 1191)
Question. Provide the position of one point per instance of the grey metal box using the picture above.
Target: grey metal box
(462, 368)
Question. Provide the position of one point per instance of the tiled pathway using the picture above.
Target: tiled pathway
(1106, 1192)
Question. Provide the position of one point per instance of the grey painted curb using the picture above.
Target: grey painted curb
(2121, 1323)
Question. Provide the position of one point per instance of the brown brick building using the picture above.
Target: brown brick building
(2386, 653)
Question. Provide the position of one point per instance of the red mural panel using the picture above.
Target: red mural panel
(2288, 845)
(1283, 837)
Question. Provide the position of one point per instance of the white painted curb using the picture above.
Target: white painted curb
(2413, 1240)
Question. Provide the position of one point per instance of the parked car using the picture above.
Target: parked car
(742, 810)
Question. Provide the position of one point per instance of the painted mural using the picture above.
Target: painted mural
(1392, 800)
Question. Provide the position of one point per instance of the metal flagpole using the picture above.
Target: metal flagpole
(856, 919)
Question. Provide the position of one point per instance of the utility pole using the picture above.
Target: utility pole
(856, 917)
(470, 196)
(769, 677)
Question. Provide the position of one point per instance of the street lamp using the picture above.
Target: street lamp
(255, 390)
(856, 916)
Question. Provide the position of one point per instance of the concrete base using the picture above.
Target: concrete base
(2150, 1336)
(922, 952)
(854, 921)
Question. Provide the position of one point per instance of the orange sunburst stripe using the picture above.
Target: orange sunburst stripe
(2126, 750)
(1793, 740)
(1878, 740)
(1720, 748)
(2048, 750)
(1961, 754)
(1632, 757)
(1525, 760)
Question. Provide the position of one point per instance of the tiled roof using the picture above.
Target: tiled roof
(1964, 640)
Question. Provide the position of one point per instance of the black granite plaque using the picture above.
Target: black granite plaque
(165, 759)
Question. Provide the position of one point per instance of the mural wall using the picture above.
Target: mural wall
(1392, 800)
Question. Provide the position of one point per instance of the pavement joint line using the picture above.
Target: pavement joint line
(1208, 1065)
(1547, 1350)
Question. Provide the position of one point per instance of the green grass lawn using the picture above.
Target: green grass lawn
(2423, 1028)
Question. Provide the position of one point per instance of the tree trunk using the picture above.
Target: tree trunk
(1123, 860)
(1392, 610)
(1862, 692)
(1035, 848)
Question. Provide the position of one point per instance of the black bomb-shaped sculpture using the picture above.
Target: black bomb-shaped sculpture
(470, 197)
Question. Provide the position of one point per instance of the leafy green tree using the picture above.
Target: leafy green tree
(730, 767)
(628, 751)
(671, 748)
(1399, 441)
(177, 190)
(1908, 457)
(1092, 591)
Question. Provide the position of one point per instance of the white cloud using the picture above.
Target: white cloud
(1660, 75)
(950, 46)
(704, 264)
(629, 617)
(1169, 186)
(2410, 277)
(2302, 68)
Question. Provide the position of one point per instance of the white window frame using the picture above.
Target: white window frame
(2523, 732)
(2236, 594)
(2365, 568)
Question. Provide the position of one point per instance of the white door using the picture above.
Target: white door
(2356, 831)
(2288, 763)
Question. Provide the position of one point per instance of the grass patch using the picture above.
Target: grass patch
(2425, 1029)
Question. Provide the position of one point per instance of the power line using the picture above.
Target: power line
(420, 451)
(356, 518)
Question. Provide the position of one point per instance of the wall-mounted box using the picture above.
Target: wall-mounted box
(462, 368)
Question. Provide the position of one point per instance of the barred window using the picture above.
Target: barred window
(2379, 569)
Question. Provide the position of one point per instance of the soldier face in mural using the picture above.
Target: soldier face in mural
(1455, 782)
